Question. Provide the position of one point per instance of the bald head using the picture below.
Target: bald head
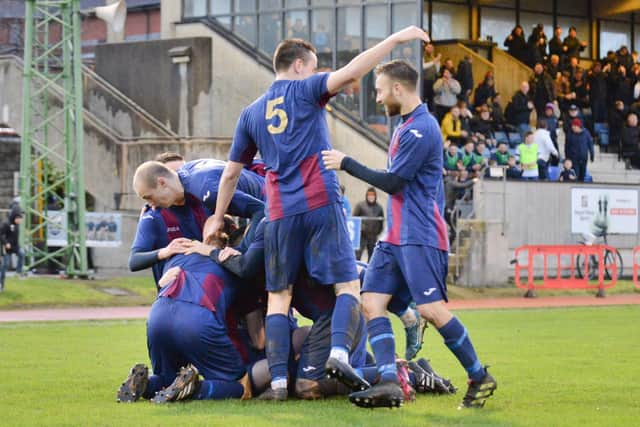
(157, 184)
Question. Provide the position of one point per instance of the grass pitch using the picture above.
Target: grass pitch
(555, 367)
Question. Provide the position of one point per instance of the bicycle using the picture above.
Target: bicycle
(610, 259)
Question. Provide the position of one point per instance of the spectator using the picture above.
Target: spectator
(484, 91)
(371, 227)
(573, 45)
(546, 150)
(597, 83)
(537, 45)
(616, 122)
(448, 64)
(480, 159)
(542, 88)
(521, 108)
(556, 47)
(528, 152)
(516, 45)
(430, 70)
(573, 67)
(346, 206)
(454, 189)
(9, 238)
(513, 170)
(451, 127)
(501, 156)
(621, 86)
(321, 39)
(554, 67)
(551, 123)
(465, 116)
(630, 141)
(482, 124)
(567, 174)
(573, 113)
(624, 58)
(465, 77)
(497, 112)
(579, 87)
(446, 90)
(451, 158)
(579, 147)
(467, 157)
(565, 95)
(299, 30)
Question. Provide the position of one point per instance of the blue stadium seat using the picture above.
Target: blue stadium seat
(500, 137)
(588, 177)
(514, 139)
(554, 173)
(602, 133)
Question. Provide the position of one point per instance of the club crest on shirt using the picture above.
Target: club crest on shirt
(416, 133)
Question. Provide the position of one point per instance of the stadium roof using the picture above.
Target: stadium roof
(15, 8)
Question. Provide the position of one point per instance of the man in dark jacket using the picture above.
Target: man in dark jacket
(597, 80)
(556, 47)
(573, 44)
(537, 45)
(542, 88)
(521, 108)
(465, 77)
(517, 45)
(10, 243)
(371, 228)
(578, 148)
(630, 141)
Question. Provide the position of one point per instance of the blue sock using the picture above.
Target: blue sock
(384, 348)
(277, 346)
(345, 322)
(154, 385)
(369, 373)
(217, 389)
(457, 339)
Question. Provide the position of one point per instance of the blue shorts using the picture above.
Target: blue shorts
(317, 346)
(408, 272)
(318, 239)
(179, 333)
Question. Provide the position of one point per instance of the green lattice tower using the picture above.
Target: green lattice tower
(52, 134)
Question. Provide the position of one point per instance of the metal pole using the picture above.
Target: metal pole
(79, 142)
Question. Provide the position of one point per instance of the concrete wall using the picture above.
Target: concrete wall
(174, 91)
(238, 79)
(526, 213)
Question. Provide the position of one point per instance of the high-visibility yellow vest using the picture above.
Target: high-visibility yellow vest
(528, 156)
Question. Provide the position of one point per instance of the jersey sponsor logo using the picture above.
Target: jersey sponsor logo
(206, 196)
(416, 133)
(429, 291)
(308, 369)
(173, 229)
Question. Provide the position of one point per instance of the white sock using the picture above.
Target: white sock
(340, 354)
(281, 383)
(409, 318)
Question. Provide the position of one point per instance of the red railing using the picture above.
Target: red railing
(567, 275)
(636, 266)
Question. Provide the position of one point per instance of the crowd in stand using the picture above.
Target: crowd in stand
(480, 130)
(487, 134)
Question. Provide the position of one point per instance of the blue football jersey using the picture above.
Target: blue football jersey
(415, 215)
(289, 128)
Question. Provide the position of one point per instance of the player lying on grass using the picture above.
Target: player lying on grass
(413, 257)
(316, 303)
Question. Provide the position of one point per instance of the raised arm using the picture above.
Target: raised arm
(226, 190)
(367, 60)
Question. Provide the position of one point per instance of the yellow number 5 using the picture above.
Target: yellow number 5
(272, 112)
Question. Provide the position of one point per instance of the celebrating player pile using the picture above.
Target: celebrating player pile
(207, 321)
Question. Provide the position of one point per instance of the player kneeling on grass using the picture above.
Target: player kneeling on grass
(187, 334)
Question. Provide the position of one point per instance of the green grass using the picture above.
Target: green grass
(38, 292)
(555, 367)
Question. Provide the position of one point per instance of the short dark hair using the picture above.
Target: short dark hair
(168, 156)
(400, 71)
(289, 50)
(542, 124)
